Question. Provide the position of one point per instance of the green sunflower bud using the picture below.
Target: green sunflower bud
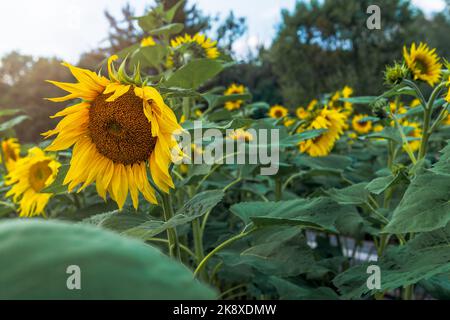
(395, 74)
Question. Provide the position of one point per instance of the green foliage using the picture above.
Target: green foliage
(112, 267)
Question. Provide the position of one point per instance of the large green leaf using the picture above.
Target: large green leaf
(354, 194)
(194, 208)
(194, 74)
(443, 165)
(317, 213)
(36, 256)
(438, 286)
(293, 291)
(421, 258)
(281, 251)
(425, 205)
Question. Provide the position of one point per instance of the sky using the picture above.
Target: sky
(68, 28)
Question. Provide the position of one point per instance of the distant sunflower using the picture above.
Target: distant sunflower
(10, 153)
(301, 113)
(414, 131)
(347, 93)
(312, 104)
(278, 112)
(288, 122)
(241, 135)
(202, 44)
(331, 120)
(378, 128)
(116, 130)
(360, 126)
(423, 63)
(234, 89)
(29, 176)
(148, 42)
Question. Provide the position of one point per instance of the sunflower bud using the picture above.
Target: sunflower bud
(395, 74)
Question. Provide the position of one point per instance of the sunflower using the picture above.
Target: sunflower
(234, 89)
(278, 112)
(200, 42)
(414, 131)
(347, 93)
(10, 153)
(241, 135)
(378, 128)
(148, 42)
(360, 126)
(301, 113)
(116, 130)
(397, 109)
(312, 105)
(29, 176)
(415, 103)
(288, 122)
(423, 63)
(331, 120)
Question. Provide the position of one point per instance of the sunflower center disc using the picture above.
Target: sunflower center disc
(120, 130)
(39, 173)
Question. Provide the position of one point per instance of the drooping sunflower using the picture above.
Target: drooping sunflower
(234, 89)
(331, 120)
(148, 42)
(301, 113)
(10, 153)
(413, 131)
(204, 45)
(278, 111)
(116, 130)
(28, 178)
(360, 126)
(423, 63)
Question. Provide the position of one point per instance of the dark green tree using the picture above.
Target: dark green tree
(323, 45)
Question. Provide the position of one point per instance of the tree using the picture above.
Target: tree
(324, 45)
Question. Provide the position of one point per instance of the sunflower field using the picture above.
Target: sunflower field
(345, 197)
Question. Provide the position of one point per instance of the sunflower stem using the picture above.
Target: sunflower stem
(187, 108)
(426, 133)
(221, 246)
(174, 246)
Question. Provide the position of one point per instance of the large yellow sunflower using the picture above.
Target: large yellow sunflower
(29, 176)
(234, 89)
(10, 153)
(331, 120)
(278, 112)
(423, 63)
(360, 126)
(206, 46)
(116, 130)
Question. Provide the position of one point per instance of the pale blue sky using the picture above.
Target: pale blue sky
(68, 28)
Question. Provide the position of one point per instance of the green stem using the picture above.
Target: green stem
(187, 108)
(426, 133)
(278, 189)
(174, 246)
(221, 246)
(183, 247)
(408, 292)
